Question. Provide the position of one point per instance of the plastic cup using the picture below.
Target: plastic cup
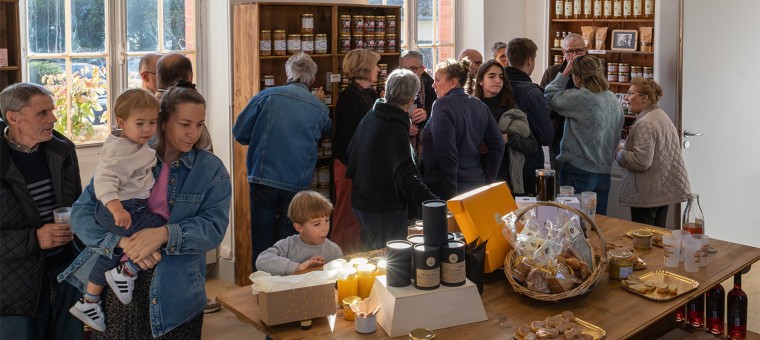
(691, 248)
(62, 215)
(566, 190)
(681, 234)
(672, 248)
(588, 204)
(703, 253)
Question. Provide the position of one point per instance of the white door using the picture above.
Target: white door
(721, 100)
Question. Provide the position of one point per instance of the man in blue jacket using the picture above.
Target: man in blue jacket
(521, 53)
(281, 126)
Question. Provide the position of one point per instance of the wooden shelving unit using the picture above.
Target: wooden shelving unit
(10, 39)
(633, 58)
(249, 67)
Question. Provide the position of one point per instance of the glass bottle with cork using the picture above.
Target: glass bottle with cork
(693, 219)
(568, 9)
(715, 308)
(737, 311)
(559, 6)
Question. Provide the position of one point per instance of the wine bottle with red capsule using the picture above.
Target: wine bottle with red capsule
(737, 311)
(715, 307)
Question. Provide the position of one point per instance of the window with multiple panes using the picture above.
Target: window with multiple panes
(88, 51)
(432, 30)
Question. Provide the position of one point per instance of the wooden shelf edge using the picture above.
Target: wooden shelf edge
(603, 20)
(285, 57)
(555, 49)
(9, 68)
(619, 83)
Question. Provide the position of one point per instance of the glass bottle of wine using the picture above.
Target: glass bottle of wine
(715, 309)
(695, 311)
(737, 311)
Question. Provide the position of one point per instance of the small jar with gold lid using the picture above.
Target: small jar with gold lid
(421, 334)
(620, 263)
(642, 239)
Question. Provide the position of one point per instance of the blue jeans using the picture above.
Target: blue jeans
(380, 227)
(53, 320)
(583, 180)
(142, 218)
(269, 217)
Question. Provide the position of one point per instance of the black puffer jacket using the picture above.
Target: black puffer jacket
(22, 262)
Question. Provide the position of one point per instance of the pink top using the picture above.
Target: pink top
(157, 200)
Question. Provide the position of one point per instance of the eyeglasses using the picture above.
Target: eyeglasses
(631, 93)
(477, 62)
(412, 68)
(575, 51)
(502, 57)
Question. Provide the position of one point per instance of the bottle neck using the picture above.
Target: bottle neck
(738, 281)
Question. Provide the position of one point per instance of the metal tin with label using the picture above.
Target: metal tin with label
(452, 264)
(427, 267)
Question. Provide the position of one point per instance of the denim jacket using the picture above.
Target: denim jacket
(199, 203)
(282, 126)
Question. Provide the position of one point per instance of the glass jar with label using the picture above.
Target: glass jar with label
(369, 24)
(265, 42)
(390, 24)
(267, 81)
(390, 43)
(370, 42)
(621, 263)
(612, 67)
(357, 24)
(344, 43)
(345, 24)
(380, 24)
(307, 23)
(280, 42)
(624, 68)
(294, 43)
(624, 77)
(357, 41)
(612, 76)
(383, 71)
(307, 43)
(648, 72)
(380, 48)
(636, 71)
(320, 43)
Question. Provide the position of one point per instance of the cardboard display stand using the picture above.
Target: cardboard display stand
(297, 304)
(403, 309)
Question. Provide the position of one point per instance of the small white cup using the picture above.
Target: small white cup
(365, 325)
(672, 248)
(62, 215)
(703, 253)
(691, 248)
(681, 235)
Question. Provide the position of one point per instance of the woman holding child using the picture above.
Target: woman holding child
(192, 188)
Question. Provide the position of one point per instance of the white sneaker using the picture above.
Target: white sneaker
(90, 313)
(121, 283)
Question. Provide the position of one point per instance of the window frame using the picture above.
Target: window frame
(115, 49)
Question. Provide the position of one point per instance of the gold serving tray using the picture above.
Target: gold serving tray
(654, 231)
(683, 283)
(588, 328)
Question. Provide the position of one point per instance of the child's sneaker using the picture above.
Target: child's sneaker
(90, 313)
(121, 282)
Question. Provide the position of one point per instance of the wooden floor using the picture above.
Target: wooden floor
(224, 325)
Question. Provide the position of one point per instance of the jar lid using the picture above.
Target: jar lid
(421, 334)
(545, 172)
(350, 299)
(642, 233)
(307, 15)
(620, 253)
(279, 31)
(321, 35)
(294, 35)
(262, 31)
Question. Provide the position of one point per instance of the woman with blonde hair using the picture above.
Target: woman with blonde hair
(353, 104)
(592, 128)
(452, 137)
(654, 174)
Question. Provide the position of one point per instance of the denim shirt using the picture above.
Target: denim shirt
(199, 204)
(282, 126)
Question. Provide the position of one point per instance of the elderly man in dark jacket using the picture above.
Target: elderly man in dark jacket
(521, 53)
(39, 172)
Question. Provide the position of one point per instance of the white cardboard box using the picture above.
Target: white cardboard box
(547, 213)
(403, 309)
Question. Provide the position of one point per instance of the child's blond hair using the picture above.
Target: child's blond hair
(308, 204)
(134, 99)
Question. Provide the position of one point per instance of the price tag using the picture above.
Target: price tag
(335, 77)
(597, 52)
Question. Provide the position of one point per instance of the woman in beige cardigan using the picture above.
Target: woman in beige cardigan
(654, 175)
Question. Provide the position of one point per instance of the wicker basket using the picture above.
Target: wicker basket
(580, 289)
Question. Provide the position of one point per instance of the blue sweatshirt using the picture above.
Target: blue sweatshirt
(451, 145)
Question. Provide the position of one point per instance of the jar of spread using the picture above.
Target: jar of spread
(320, 43)
(624, 77)
(621, 263)
(648, 72)
(265, 42)
(357, 41)
(390, 43)
(357, 24)
(344, 43)
(307, 43)
(624, 68)
(390, 24)
(642, 239)
(280, 42)
(370, 42)
(345, 24)
(612, 67)
(294, 43)
(307, 23)
(380, 24)
(380, 47)
(612, 76)
(636, 71)
(268, 81)
(369, 24)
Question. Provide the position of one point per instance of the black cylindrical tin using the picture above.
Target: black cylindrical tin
(453, 271)
(434, 223)
(399, 259)
(428, 267)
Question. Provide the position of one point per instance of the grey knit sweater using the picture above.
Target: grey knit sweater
(593, 125)
(288, 253)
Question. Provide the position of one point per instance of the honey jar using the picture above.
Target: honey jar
(348, 313)
(307, 43)
(642, 239)
(380, 47)
(344, 43)
(357, 41)
(307, 23)
(320, 43)
(612, 76)
(345, 24)
(370, 42)
(390, 43)
(280, 42)
(621, 263)
(268, 80)
(624, 77)
(380, 24)
(265, 42)
(612, 67)
(369, 24)
(624, 68)
(357, 24)
(390, 24)
(636, 71)
(294, 43)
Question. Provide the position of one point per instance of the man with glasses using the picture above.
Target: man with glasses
(414, 61)
(148, 68)
(499, 53)
(476, 59)
(572, 46)
(529, 97)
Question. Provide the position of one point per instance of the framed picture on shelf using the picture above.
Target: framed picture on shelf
(624, 40)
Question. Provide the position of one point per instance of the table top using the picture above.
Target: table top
(621, 313)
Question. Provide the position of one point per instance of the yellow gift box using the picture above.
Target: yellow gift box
(478, 214)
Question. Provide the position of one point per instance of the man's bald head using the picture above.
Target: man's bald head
(173, 67)
(147, 69)
(476, 59)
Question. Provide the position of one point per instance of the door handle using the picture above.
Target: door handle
(688, 134)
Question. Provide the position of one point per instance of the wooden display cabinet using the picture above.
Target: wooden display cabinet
(249, 67)
(10, 39)
(633, 58)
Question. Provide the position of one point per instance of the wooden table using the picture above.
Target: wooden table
(621, 313)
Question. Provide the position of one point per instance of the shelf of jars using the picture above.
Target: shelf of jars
(603, 52)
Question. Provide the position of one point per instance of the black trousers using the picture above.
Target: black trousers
(656, 216)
